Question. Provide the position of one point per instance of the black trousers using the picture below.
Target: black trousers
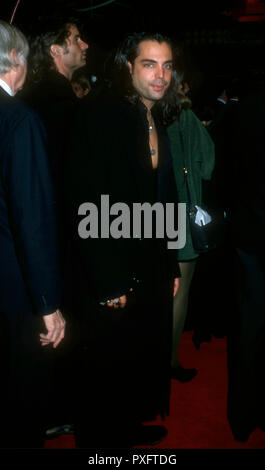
(246, 346)
(26, 381)
(123, 370)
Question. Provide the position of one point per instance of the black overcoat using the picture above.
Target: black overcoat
(246, 339)
(30, 284)
(129, 349)
(52, 97)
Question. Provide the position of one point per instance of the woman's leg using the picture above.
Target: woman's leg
(180, 307)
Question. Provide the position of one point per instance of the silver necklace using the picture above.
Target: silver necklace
(150, 129)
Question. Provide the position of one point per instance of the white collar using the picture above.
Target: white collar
(221, 100)
(6, 87)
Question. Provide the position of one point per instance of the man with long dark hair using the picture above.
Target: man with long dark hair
(55, 53)
(124, 283)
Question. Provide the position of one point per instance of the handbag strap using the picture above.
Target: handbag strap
(185, 168)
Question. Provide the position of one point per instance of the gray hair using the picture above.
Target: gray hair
(11, 38)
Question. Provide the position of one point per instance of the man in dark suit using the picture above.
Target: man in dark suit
(31, 324)
(56, 52)
(124, 285)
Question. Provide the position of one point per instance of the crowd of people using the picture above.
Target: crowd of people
(93, 302)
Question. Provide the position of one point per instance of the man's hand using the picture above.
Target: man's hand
(176, 286)
(119, 302)
(55, 325)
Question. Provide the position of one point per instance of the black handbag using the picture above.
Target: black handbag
(210, 235)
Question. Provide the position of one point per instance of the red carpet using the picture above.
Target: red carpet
(198, 408)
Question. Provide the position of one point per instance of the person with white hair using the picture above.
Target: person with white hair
(31, 323)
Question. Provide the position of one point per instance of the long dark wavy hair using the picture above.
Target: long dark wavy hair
(40, 60)
(120, 77)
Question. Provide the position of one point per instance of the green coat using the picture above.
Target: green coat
(199, 160)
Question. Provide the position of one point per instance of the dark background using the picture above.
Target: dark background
(221, 39)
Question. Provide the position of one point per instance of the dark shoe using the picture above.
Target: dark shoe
(148, 435)
(219, 334)
(183, 375)
(59, 430)
(242, 435)
(102, 442)
(199, 338)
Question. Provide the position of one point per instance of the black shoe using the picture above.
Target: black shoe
(136, 436)
(242, 435)
(183, 375)
(199, 338)
(148, 435)
(59, 430)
